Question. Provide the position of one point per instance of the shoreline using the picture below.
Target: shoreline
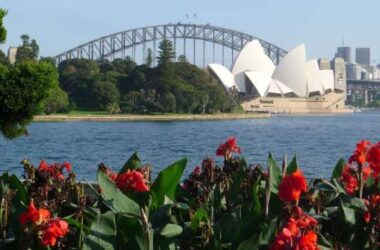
(208, 117)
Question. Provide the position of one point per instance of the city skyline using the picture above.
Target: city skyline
(322, 26)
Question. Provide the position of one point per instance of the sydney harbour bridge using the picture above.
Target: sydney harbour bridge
(201, 44)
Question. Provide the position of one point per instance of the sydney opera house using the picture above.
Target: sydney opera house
(295, 85)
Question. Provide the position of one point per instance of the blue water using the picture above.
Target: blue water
(318, 141)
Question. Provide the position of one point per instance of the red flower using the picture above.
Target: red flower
(197, 170)
(359, 155)
(367, 216)
(132, 181)
(54, 170)
(308, 241)
(291, 186)
(349, 180)
(34, 215)
(67, 166)
(226, 149)
(373, 158)
(297, 234)
(56, 228)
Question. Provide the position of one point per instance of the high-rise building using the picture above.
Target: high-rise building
(363, 56)
(324, 64)
(345, 53)
(340, 79)
(353, 71)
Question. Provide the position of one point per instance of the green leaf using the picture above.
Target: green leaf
(132, 163)
(166, 183)
(114, 198)
(293, 166)
(337, 172)
(275, 175)
(200, 216)
(255, 197)
(348, 214)
(102, 233)
(323, 242)
(338, 186)
(171, 230)
(131, 234)
(325, 185)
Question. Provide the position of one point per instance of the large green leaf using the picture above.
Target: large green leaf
(102, 234)
(166, 183)
(293, 166)
(275, 175)
(171, 230)
(132, 163)
(132, 235)
(347, 213)
(19, 201)
(115, 199)
(337, 172)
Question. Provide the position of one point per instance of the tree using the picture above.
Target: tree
(168, 102)
(149, 58)
(166, 53)
(182, 59)
(104, 65)
(57, 101)
(23, 89)
(105, 93)
(3, 31)
(28, 50)
(124, 66)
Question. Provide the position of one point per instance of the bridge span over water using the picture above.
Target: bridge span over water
(365, 89)
(201, 44)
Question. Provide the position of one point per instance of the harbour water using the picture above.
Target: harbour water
(318, 140)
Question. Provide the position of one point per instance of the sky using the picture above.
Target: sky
(322, 25)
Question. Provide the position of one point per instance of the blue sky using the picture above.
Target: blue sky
(320, 24)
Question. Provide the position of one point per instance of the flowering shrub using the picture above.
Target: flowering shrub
(228, 206)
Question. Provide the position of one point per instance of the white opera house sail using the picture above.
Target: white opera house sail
(294, 85)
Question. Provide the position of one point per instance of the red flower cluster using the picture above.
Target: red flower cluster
(373, 158)
(226, 149)
(372, 206)
(292, 186)
(350, 178)
(132, 181)
(54, 170)
(298, 233)
(54, 229)
(34, 215)
(359, 155)
(48, 229)
(367, 153)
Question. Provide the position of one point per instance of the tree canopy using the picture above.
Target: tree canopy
(23, 86)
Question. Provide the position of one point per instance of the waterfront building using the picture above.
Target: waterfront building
(345, 53)
(294, 85)
(363, 56)
(12, 51)
(324, 64)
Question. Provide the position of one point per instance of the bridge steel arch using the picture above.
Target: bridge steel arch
(107, 46)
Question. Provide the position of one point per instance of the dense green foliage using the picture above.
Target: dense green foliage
(169, 87)
(23, 86)
(57, 101)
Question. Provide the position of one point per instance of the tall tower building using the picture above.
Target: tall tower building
(345, 53)
(340, 80)
(363, 56)
(12, 51)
